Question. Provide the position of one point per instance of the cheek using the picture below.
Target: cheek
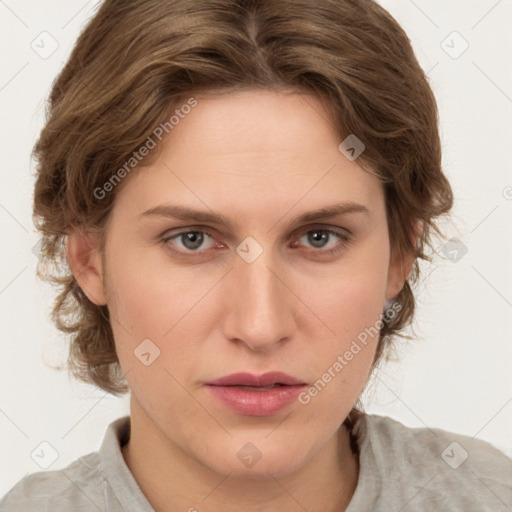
(152, 326)
(151, 299)
(341, 363)
(176, 308)
(349, 297)
(351, 304)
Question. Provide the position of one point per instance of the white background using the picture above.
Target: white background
(456, 376)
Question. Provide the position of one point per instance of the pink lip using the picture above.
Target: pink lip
(250, 379)
(256, 402)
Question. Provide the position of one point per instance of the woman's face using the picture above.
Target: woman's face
(263, 291)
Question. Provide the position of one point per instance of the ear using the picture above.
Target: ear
(400, 265)
(84, 260)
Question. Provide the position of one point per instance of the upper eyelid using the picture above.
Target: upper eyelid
(296, 234)
(170, 233)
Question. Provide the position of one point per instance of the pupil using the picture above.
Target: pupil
(192, 240)
(318, 238)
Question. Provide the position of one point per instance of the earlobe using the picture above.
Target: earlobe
(84, 260)
(398, 273)
(401, 266)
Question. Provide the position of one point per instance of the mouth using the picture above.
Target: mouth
(257, 381)
(258, 388)
(256, 395)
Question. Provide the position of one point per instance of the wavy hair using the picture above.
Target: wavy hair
(135, 62)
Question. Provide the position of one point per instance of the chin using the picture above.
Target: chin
(261, 471)
(250, 463)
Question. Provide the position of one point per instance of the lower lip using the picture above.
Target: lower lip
(256, 403)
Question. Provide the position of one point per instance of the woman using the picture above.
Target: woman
(238, 193)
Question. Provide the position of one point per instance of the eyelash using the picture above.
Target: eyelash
(345, 239)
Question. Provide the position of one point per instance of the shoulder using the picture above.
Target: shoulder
(457, 451)
(432, 466)
(77, 487)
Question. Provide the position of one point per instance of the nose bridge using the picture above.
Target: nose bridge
(259, 314)
(261, 290)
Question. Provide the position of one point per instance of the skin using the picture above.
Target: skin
(260, 159)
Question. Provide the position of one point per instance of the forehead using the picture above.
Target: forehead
(253, 122)
(250, 153)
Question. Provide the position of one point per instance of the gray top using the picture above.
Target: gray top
(401, 469)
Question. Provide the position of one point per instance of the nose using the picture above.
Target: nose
(261, 305)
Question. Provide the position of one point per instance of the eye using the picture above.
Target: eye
(324, 240)
(197, 242)
(189, 241)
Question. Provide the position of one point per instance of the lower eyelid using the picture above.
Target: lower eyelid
(343, 239)
(176, 236)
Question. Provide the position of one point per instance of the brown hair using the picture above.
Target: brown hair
(136, 61)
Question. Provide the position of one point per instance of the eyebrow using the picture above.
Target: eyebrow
(189, 214)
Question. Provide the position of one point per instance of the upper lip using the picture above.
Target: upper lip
(250, 379)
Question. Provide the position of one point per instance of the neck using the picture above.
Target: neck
(172, 480)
